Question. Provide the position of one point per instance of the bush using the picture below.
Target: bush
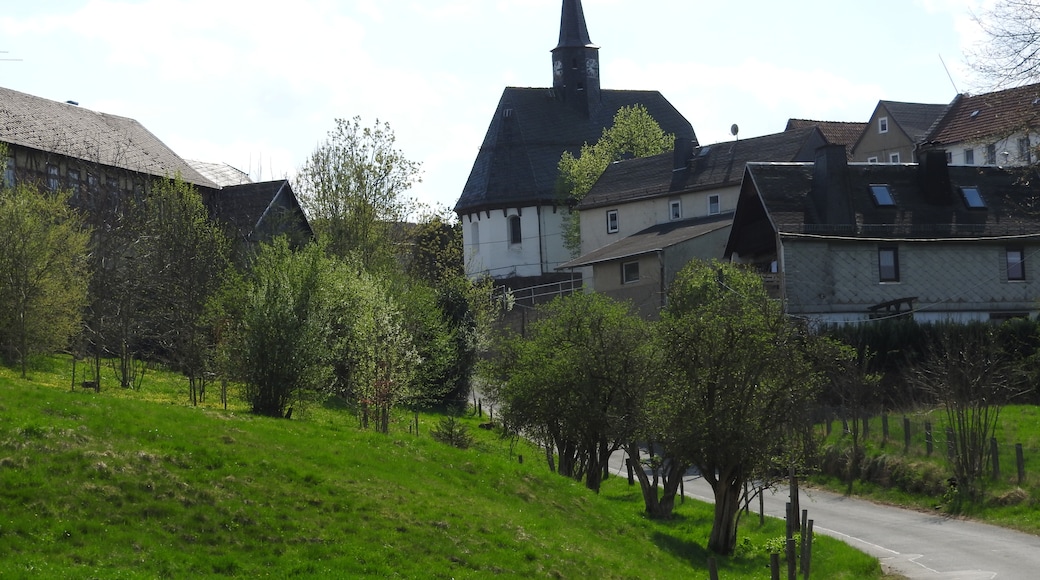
(451, 431)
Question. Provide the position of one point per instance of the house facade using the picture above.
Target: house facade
(894, 131)
(845, 243)
(998, 128)
(644, 219)
(511, 214)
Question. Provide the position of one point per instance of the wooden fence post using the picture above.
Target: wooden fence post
(1021, 461)
(807, 557)
(928, 441)
(804, 530)
(906, 434)
(792, 560)
(774, 566)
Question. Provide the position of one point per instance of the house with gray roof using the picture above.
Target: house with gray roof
(997, 128)
(894, 131)
(511, 214)
(847, 242)
(105, 159)
(835, 132)
(644, 219)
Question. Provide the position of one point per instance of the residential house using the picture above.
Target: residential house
(105, 159)
(894, 131)
(835, 132)
(854, 242)
(511, 214)
(999, 128)
(644, 219)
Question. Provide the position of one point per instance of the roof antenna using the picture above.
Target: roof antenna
(949, 75)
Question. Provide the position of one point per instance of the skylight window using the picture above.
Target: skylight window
(973, 198)
(882, 196)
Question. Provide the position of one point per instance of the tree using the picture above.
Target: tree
(353, 188)
(577, 381)
(634, 134)
(740, 384)
(1010, 54)
(43, 271)
(971, 376)
(180, 256)
(373, 354)
(280, 345)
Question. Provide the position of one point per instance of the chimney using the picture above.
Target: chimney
(830, 186)
(682, 159)
(933, 176)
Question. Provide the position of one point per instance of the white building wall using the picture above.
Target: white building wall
(1007, 151)
(489, 250)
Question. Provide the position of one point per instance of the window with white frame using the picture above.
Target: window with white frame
(872, 160)
(969, 157)
(1016, 265)
(991, 154)
(612, 221)
(893, 157)
(882, 125)
(629, 272)
(888, 264)
(675, 209)
(714, 205)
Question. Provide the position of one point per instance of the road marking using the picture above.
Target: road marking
(831, 532)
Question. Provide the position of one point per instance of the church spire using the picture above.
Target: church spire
(576, 60)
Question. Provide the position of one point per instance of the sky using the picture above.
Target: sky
(259, 84)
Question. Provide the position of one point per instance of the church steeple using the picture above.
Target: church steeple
(576, 60)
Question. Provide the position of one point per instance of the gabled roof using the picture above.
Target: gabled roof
(836, 132)
(782, 192)
(220, 173)
(989, 116)
(245, 207)
(712, 166)
(532, 127)
(653, 239)
(915, 119)
(80, 133)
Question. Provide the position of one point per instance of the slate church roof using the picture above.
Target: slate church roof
(80, 133)
(532, 127)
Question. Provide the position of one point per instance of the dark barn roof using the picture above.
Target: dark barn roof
(711, 166)
(246, 207)
(532, 127)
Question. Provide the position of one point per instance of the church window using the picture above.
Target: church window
(515, 234)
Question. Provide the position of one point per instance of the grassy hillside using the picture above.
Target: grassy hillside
(137, 484)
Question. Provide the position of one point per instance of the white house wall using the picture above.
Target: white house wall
(1009, 145)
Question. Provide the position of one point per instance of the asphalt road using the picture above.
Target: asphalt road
(914, 544)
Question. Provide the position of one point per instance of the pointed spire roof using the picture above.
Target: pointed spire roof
(573, 31)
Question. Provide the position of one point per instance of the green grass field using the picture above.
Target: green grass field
(138, 484)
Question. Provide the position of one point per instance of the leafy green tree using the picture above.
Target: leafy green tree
(740, 384)
(353, 188)
(181, 257)
(437, 254)
(374, 358)
(577, 381)
(280, 345)
(635, 133)
(43, 271)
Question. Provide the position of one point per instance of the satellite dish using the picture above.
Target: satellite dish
(734, 129)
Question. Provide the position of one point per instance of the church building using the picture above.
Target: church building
(510, 211)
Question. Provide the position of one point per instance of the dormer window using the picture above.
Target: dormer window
(973, 198)
(882, 125)
(882, 196)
